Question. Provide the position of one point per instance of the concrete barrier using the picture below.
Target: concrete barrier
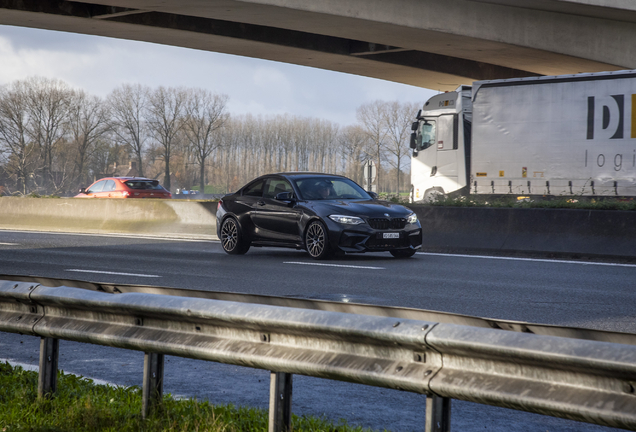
(178, 218)
(559, 232)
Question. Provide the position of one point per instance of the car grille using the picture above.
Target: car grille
(386, 223)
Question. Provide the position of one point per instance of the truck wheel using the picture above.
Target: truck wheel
(432, 195)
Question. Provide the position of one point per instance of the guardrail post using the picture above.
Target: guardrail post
(49, 356)
(438, 414)
(280, 400)
(153, 382)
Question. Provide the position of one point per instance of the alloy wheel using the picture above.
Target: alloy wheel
(229, 235)
(315, 240)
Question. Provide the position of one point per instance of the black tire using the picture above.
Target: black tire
(403, 253)
(232, 238)
(316, 241)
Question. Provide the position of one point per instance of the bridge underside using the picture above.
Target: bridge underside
(369, 38)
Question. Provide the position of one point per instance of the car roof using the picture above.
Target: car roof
(302, 174)
(125, 178)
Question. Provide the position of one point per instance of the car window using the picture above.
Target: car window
(109, 186)
(274, 186)
(327, 188)
(97, 187)
(143, 184)
(254, 189)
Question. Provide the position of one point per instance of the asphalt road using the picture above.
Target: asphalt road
(582, 294)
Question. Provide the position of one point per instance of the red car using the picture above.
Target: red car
(124, 187)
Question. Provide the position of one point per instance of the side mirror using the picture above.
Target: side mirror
(413, 142)
(414, 126)
(83, 190)
(373, 195)
(284, 196)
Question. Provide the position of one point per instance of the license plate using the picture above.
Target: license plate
(390, 235)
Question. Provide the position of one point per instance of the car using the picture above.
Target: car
(326, 215)
(124, 187)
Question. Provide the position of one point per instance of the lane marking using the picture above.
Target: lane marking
(112, 273)
(124, 235)
(9, 244)
(529, 259)
(334, 265)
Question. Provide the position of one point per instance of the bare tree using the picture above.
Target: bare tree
(205, 114)
(353, 140)
(372, 116)
(128, 105)
(48, 113)
(14, 118)
(399, 117)
(88, 122)
(165, 119)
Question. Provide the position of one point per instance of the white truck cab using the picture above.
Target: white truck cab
(441, 145)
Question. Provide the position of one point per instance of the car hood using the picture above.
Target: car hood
(368, 208)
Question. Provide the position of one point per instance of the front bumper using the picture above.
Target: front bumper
(363, 238)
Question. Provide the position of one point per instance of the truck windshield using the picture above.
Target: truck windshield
(426, 136)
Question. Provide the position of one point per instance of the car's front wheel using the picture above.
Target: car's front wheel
(232, 238)
(403, 253)
(316, 241)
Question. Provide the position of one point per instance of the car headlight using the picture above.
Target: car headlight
(348, 220)
(412, 218)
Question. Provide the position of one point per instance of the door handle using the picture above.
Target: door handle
(434, 171)
(261, 203)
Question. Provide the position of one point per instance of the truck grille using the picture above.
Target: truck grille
(386, 223)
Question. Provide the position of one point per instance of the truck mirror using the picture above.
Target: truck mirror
(413, 143)
(414, 126)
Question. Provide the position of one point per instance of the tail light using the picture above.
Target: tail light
(125, 194)
(218, 206)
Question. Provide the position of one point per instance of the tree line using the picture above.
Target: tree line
(55, 139)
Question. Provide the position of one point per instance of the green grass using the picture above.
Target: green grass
(81, 405)
(551, 203)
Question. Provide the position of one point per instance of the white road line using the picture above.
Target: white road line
(556, 261)
(334, 265)
(112, 273)
(119, 235)
(9, 244)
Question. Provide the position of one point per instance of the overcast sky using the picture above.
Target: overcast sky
(98, 65)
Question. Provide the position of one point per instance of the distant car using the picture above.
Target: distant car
(323, 214)
(124, 187)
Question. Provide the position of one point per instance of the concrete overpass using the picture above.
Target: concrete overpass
(436, 44)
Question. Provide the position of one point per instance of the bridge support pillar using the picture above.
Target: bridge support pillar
(438, 414)
(280, 401)
(49, 356)
(153, 382)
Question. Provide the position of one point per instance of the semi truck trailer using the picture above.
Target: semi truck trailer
(569, 135)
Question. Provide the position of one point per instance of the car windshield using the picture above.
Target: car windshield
(330, 188)
(143, 184)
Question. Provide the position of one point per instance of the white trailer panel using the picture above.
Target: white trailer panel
(555, 135)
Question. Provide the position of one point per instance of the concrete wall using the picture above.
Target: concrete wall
(562, 232)
(179, 218)
(446, 229)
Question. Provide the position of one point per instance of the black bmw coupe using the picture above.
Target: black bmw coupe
(324, 214)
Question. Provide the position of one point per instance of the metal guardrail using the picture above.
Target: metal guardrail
(585, 380)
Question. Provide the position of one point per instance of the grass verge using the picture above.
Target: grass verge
(81, 405)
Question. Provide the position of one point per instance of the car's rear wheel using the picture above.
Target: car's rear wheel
(316, 241)
(232, 238)
(403, 253)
